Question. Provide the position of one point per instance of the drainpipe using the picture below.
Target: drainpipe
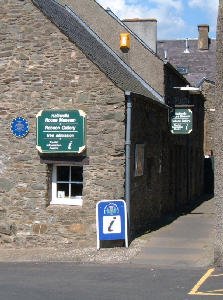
(128, 154)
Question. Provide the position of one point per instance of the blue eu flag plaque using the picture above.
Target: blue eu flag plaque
(19, 127)
(111, 221)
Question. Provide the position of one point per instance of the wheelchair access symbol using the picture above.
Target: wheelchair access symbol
(111, 221)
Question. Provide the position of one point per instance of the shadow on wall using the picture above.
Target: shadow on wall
(209, 175)
(208, 194)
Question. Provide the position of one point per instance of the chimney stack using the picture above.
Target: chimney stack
(203, 41)
(146, 29)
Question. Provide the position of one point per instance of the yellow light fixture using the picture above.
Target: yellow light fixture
(125, 40)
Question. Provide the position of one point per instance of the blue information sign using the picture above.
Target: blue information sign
(19, 127)
(111, 221)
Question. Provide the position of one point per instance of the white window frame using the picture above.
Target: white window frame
(64, 201)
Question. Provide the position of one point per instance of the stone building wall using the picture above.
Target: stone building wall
(219, 142)
(210, 107)
(173, 165)
(196, 155)
(150, 128)
(208, 90)
(41, 69)
(185, 151)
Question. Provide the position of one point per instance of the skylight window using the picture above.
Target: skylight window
(182, 70)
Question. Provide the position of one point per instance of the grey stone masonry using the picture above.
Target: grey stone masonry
(210, 110)
(40, 69)
(219, 142)
(148, 195)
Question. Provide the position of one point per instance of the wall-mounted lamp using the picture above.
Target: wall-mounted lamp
(125, 41)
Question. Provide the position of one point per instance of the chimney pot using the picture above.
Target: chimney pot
(203, 40)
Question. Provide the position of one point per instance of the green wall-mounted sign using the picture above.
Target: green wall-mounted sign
(60, 131)
(181, 121)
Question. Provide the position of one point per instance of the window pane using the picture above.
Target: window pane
(62, 190)
(77, 174)
(76, 190)
(62, 173)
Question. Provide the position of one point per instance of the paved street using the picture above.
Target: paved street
(58, 281)
(188, 241)
(175, 262)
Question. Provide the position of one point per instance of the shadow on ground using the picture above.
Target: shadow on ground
(170, 218)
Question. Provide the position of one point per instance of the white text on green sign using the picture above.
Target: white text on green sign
(181, 121)
(61, 131)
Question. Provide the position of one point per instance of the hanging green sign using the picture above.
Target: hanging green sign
(60, 131)
(181, 121)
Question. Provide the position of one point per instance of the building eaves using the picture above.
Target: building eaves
(96, 49)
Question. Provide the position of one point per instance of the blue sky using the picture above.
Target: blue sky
(176, 18)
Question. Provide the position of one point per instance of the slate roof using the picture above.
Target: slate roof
(96, 50)
(200, 63)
